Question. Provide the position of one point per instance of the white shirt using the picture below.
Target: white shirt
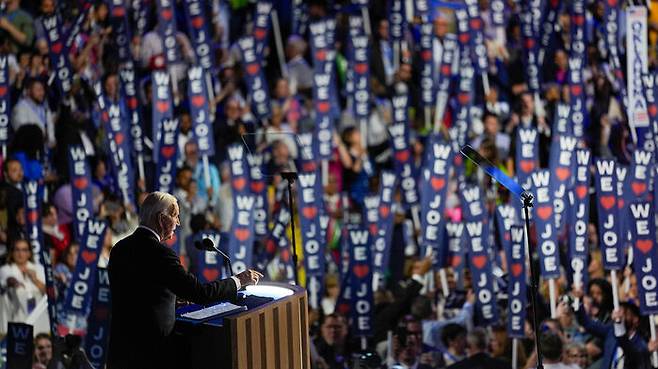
(17, 299)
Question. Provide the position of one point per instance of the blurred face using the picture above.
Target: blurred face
(51, 218)
(334, 331)
(43, 350)
(15, 171)
(440, 26)
(21, 252)
(169, 220)
(282, 89)
(383, 30)
(491, 125)
(112, 85)
(596, 293)
(528, 103)
(232, 110)
(191, 153)
(47, 6)
(72, 256)
(37, 92)
(458, 345)
(576, 356)
(561, 59)
(185, 123)
(184, 179)
(415, 335)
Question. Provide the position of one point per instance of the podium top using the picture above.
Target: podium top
(268, 290)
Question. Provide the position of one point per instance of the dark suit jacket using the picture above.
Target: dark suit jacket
(480, 361)
(145, 278)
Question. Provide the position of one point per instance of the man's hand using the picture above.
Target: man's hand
(618, 316)
(13, 282)
(653, 346)
(249, 277)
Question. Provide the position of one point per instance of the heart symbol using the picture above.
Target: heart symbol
(638, 188)
(562, 173)
(197, 22)
(457, 160)
(464, 98)
(308, 166)
(506, 236)
(270, 246)
(479, 261)
(105, 116)
(402, 156)
(555, 3)
(3, 90)
(360, 271)
(544, 212)
(56, 48)
(464, 37)
(446, 70)
(252, 69)
(607, 202)
(455, 261)
(438, 183)
(527, 165)
(259, 33)
(285, 255)
(119, 11)
(32, 216)
(309, 212)
(475, 23)
(80, 183)
(373, 229)
(257, 187)
(516, 269)
(384, 211)
(653, 110)
(529, 43)
(323, 106)
(239, 183)
(166, 14)
(118, 138)
(168, 151)
(210, 274)
(198, 100)
(162, 106)
(576, 90)
(644, 245)
(242, 234)
(88, 256)
(320, 55)
(581, 191)
(620, 204)
(579, 20)
(361, 68)
(132, 103)
(612, 3)
(426, 55)
(343, 309)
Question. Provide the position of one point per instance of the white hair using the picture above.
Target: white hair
(154, 204)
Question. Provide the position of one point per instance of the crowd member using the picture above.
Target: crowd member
(23, 282)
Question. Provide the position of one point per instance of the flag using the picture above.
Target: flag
(5, 102)
(33, 193)
(577, 60)
(241, 239)
(98, 326)
(199, 35)
(359, 64)
(478, 47)
(261, 24)
(403, 160)
(645, 255)
(254, 77)
(202, 121)
(381, 242)
(450, 52)
(167, 30)
(549, 258)
(650, 94)
(120, 29)
(323, 60)
(426, 47)
(530, 51)
(456, 253)
(505, 218)
(361, 282)
(547, 31)
(81, 190)
(561, 164)
(464, 98)
(608, 215)
(20, 345)
(636, 66)
(516, 288)
(278, 241)
(129, 91)
(162, 106)
(166, 170)
(209, 264)
(526, 155)
(640, 172)
(397, 23)
(579, 218)
(476, 235)
(258, 188)
(59, 53)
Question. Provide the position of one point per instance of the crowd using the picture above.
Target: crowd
(414, 324)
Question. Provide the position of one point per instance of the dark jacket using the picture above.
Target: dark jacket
(480, 361)
(145, 279)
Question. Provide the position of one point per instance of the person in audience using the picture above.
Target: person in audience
(478, 358)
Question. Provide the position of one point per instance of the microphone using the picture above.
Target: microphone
(207, 244)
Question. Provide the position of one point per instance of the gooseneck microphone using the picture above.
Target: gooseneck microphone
(207, 244)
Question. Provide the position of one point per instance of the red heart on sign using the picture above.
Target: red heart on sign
(506, 236)
(323, 106)
(210, 274)
(612, 2)
(3, 90)
(576, 90)
(638, 188)
(464, 98)
(309, 212)
(118, 138)
(446, 70)
(527, 165)
(259, 33)
(644, 245)
(88, 256)
(132, 103)
(198, 101)
(361, 68)
(438, 183)
(516, 269)
(320, 55)
(119, 11)
(475, 23)
(80, 183)
(360, 271)
(455, 261)
(239, 183)
(162, 106)
(33, 216)
(285, 255)
(607, 202)
(270, 246)
(464, 37)
(652, 110)
(343, 309)
(242, 234)
(253, 68)
(402, 156)
(581, 191)
(373, 229)
(168, 151)
(562, 173)
(56, 48)
(309, 166)
(197, 22)
(579, 20)
(544, 212)
(529, 43)
(384, 211)
(620, 204)
(479, 261)
(166, 14)
(257, 187)
(426, 55)
(105, 116)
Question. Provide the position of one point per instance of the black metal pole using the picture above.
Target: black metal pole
(290, 180)
(527, 204)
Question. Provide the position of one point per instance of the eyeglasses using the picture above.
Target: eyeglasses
(22, 249)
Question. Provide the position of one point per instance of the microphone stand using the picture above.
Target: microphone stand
(526, 198)
(290, 178)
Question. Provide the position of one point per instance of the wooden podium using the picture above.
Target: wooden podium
(273, 335)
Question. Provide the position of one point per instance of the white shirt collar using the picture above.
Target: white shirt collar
(151, 230)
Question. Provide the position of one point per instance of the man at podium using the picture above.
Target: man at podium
(145, 279)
